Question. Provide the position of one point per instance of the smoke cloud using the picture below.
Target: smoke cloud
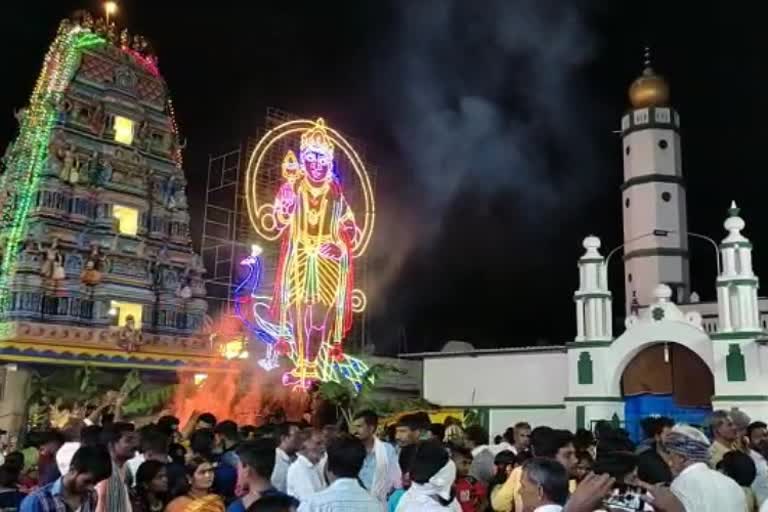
(489, 92)
(485, 99)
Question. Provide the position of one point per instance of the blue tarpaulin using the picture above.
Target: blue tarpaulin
(640, 406)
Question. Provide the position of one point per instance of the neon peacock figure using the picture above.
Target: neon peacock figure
(314, 296)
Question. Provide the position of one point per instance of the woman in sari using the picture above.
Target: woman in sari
(194, 494)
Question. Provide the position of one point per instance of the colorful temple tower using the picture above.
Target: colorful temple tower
(97, 262)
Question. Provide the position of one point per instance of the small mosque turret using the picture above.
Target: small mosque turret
(593, 298)
(737, 283)
(653, 193)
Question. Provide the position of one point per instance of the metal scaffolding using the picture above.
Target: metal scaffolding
(227, 232)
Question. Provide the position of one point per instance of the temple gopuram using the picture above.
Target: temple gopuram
(98, 268)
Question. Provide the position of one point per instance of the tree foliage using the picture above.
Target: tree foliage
(84, 384)
(349, 400)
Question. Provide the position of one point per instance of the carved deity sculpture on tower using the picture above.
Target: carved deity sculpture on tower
(70, 164)
(314, 282)
(91, 274)
(129, 337)
(53, 264)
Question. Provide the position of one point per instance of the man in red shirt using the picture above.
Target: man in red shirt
(470, 492)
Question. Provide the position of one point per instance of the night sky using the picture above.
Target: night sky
(491, 123)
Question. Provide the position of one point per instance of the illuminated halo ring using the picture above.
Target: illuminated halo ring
(359, 301)
(259, 214)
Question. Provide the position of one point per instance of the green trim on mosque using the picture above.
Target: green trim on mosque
(740, 398)
(737, 335)
(653, 178)
(724, 283)
(588, 344)
(581, 413)
(584, 369)
(592, 260)
(737, 245)
(735, 369)
(593, 399)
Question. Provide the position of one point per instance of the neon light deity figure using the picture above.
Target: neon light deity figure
(314, 295)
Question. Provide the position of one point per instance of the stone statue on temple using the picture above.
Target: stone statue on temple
(53, 262)
(69, 167)
(102, 172)
(184, 288)
(129, 337)
(91, 274)
(142, 136)
(97, 119)
(169, 192)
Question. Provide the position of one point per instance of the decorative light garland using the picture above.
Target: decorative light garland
(178, 157)
(29, 153)
(315, 273)
(148, 62)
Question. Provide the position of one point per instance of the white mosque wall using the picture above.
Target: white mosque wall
(709, 313)
(532, 378)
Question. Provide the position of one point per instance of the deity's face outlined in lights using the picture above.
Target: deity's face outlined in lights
(317, 165)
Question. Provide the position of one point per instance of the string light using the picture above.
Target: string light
(177, 155)
(148, 62)
(320, 240)
(29, 153)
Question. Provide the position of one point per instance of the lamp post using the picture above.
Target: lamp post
(664, 232)
(655, 232)
(110, 8)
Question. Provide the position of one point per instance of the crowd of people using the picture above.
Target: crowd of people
(412, 466)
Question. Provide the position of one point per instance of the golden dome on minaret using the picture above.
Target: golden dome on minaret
(649, 89)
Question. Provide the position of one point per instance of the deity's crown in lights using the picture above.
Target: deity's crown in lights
(317, 140)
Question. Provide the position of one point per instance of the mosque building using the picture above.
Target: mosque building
(677, 356)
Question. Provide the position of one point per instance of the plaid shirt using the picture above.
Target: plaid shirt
(48, 499)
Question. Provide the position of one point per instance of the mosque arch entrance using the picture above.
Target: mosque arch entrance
(666, 379)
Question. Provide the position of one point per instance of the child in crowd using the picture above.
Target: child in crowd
(470, 492)
(584, 463)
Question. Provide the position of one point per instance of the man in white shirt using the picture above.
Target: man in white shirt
(285, 454)
(380, 472)
(432, 474)
(544, 485)
(345, 460)
(303, 479)
(757, 433)
(699, 488)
